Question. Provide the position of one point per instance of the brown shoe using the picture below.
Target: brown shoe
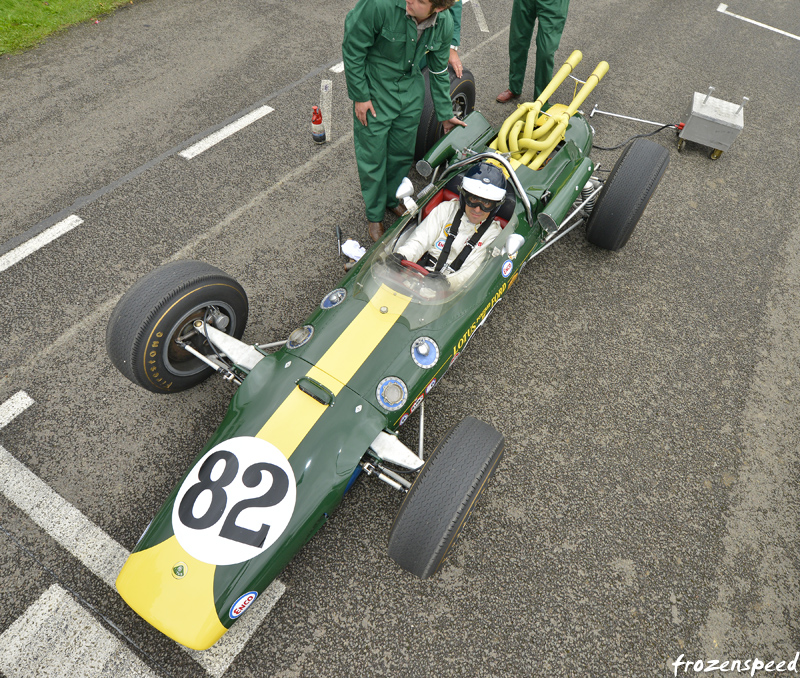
(375, 229)
(398, 210)
(505, 97)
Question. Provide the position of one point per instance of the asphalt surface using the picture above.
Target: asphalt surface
(646, 507)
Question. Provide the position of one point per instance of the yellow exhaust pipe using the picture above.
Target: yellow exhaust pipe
(598, 74)
(558, 134)
(532, 109)
(530, 135)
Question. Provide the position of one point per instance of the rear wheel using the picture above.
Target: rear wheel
(157, 314)
(443, 496)
(462, 94)
(626, 193)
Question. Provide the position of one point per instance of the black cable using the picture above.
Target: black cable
(627, 141)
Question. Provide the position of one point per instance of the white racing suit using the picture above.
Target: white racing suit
(431, 235)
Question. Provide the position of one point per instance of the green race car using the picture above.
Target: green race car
(313, 412)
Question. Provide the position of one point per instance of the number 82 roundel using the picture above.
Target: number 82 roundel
(235, 502)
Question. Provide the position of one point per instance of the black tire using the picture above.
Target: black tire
(462, 94)
(626, 193)
(443, 495)
(143, 327)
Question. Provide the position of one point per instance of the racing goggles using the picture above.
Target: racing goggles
(481, 203)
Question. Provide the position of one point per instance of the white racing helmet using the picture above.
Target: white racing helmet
(484, 181)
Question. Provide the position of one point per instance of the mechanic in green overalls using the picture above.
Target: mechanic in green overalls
(552, 15)
(384, 41)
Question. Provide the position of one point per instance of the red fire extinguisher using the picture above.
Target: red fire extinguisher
(317, 128)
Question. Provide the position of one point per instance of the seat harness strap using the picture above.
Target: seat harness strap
(458, 262)
(450, 238)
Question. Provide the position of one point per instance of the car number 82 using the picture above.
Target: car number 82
(235, 502)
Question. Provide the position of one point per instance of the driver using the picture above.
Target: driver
(452, 240)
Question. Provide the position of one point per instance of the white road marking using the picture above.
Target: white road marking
(326, 106)
(57, 230)
(480, 17)
(58, 637)
(13, 407)
(61, 520)
(105, 557)
(724, 9)
(338, 68)
(225, 132)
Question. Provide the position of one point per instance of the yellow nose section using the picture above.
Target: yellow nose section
(173, 592)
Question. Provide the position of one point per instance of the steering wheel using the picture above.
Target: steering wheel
(414, 266)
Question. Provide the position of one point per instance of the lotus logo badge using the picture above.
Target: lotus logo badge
(179, 570)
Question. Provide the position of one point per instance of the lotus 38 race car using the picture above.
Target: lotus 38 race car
(314, 411)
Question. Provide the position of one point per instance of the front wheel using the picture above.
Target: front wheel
(462, 94)
(155, 320)
(443, 495)
(626, 192)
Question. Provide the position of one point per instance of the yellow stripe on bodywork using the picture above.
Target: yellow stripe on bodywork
(296, 416)
(183, 609)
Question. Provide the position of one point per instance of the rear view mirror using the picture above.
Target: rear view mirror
(405, 190)
(513, 244)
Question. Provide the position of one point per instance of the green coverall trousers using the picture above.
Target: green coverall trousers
(552, 15)
(385, 147)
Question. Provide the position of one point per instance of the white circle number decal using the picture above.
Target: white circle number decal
(235, 502)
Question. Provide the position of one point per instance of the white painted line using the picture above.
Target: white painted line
(58, 637)
(480, 17)
(61, 520)
(13, 407)
(19, 253)
(326, 106)
(225, 132)
(724, 9)
(338, 68)
(105, 557)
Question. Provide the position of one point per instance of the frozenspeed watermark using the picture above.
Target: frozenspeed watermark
(733, 665)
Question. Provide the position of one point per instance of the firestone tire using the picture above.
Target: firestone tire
(462, 94)
(442, 497)
(159, 308)
(626, 193)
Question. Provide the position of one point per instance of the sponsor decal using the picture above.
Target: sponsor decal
(403, 419)
(430, 386)
(508, 265)
(238, 608)
(417, 403)
(235, 502)
(478, 321)
(440, 243)
(179, 570)
(151, 365)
